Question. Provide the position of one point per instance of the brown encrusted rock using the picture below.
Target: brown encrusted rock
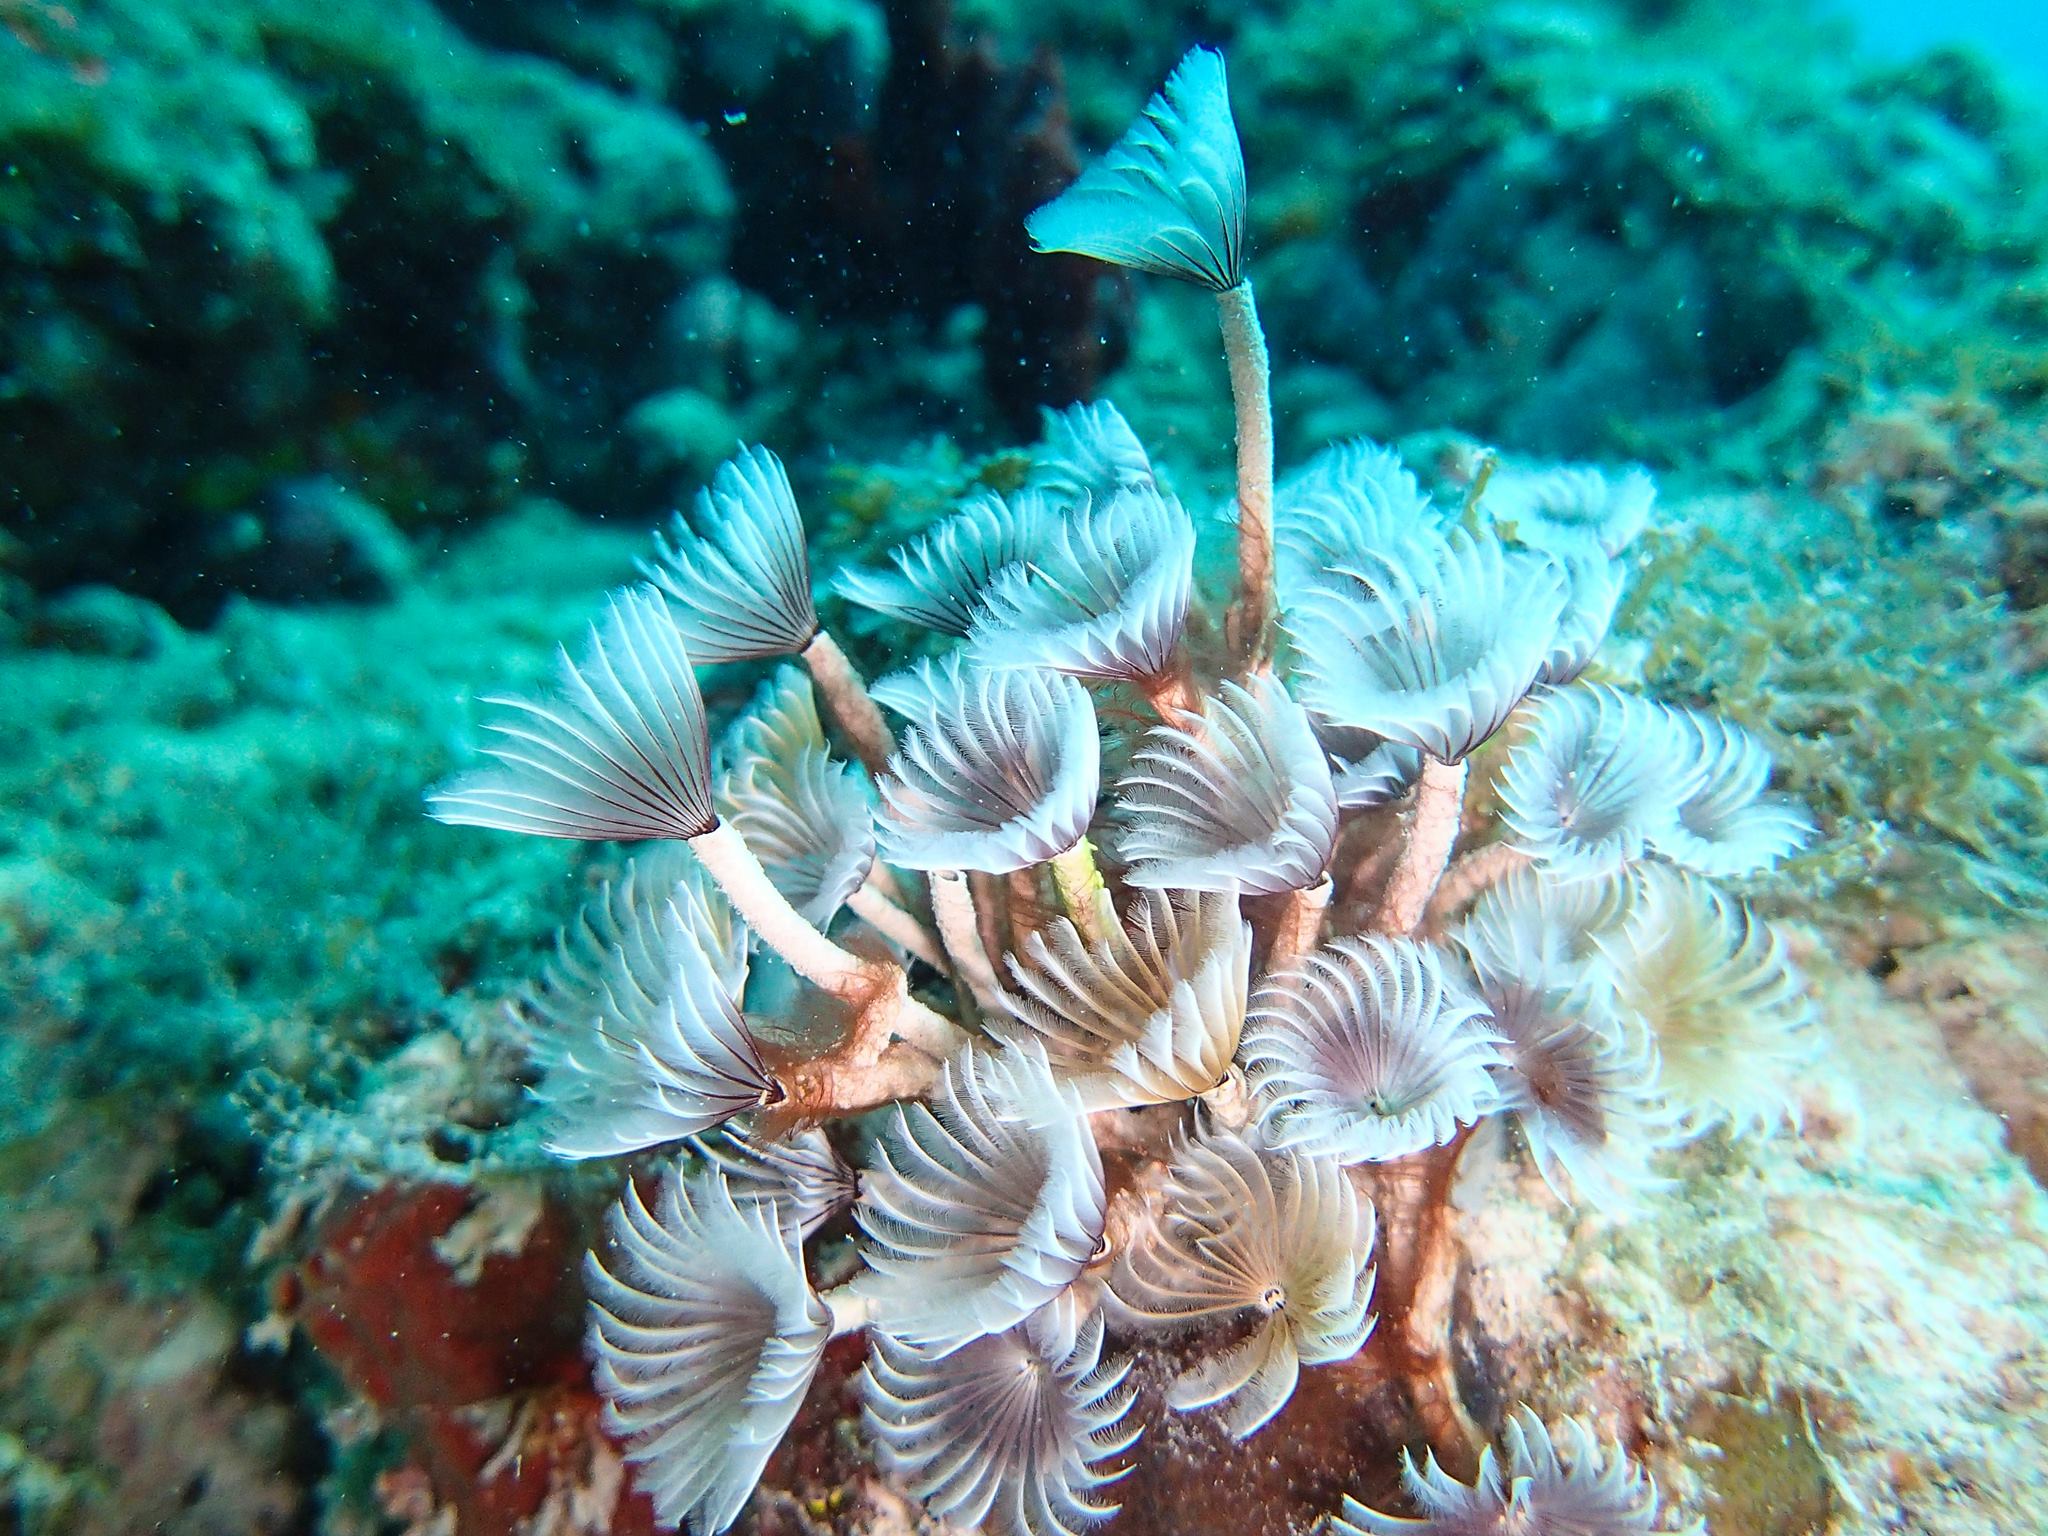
(1985, 995)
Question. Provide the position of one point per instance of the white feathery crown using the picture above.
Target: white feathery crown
(1368, 1049)
(639, 1036)
(620, 752)
(1717, 988)
(984, 1205)
(999, 770)
(1430, 644)
(1169, 198)
(739, 571)
(1040, 1410)
(1350, 502)
(940, 575)
(1150, 1013)
(1570, 508)
(706, 1335)
(1606, 778)
(1240, 800)
(1277, 1236)
(1593, 586)
(1578, 1076)
(807, 817)
(1104, 598)
(1532, 925)
(1727, 826)
(1088, 453)
(802, 1173)
(1592, 1489)
(1594, 784)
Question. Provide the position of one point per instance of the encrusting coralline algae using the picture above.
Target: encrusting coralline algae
(1203, 1089)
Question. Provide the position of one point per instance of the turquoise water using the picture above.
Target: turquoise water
(2013, 35)
(1352, 775)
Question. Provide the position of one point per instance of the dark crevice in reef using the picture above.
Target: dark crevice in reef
(915, 205)
(864, 200)
(469, 337)
(154, 369)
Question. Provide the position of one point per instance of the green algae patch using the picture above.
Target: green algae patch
(216, 855)
(1894, 692)
(1768, 1479)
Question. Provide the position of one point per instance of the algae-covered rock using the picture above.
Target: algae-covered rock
(256, 241)
(1899, 698)
(103, 621)
(212, 852)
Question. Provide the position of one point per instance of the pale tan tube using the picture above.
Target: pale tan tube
(725, 854)
(1432, 829)
(857, 982)
(1300, 925)
(848, 702)
(896, 925)
(1172, 692)
(1244, 349)
(960, 933)
(1470, 876)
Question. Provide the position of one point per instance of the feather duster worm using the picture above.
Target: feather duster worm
(1429, 647)
(1553, 930)
(1592, 593)
(1008, 1433)
(1605, 778)
(706, 1334)
(742, 577)
(1280, 1237)
(623, 753)
(999, 771)
(1104, 598)
(940, 575)
(619, 752)
(1240, 801)
(983, 1206)
(1722, 999)
(1149, 1014)
(1571, 509)
(803, 1175)
(1577, 1075)
(1430, 644)
(641, 1040)
(1367, 1051)
(1346, 504)
(1726, 825)
(739, 572)
(1591, 1489)
(1595, 783)
(807, 818)
(1088, 454)
(1170, 197)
